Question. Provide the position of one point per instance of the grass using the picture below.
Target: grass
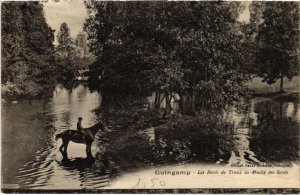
(264, 88)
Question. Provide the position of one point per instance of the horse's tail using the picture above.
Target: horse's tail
(58, 136)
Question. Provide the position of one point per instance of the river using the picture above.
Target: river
(267, 131)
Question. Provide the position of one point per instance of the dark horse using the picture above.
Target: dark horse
(77, 137)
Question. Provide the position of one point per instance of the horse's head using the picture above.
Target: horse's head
(94, 129)
(100, 125)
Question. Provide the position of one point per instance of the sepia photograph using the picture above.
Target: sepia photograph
(150, 96)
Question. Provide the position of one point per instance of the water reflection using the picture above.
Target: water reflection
(41, 166)
(265, 130)
(26, 129)
(276, 136)
(68, 106)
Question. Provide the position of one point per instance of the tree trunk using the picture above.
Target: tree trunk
(157, 99)
(156, 102)
(188, 103)
(182, 102)
(193, 103)
(280, 110)
(168, 102)
(281, 83)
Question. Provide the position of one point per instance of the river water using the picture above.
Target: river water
(266, 131)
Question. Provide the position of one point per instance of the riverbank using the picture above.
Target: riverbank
(185, 139)
(148, 137)
(260, 89)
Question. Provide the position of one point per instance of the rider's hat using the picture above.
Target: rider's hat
(80, 118)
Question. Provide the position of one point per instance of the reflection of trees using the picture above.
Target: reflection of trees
(26, 127)
(275, 137)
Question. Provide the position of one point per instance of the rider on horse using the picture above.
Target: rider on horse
(82, 135)
(86, 134)
(79, 126)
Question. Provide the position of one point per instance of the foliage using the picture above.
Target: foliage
(67, 55)
(212, 54)
(188, 48)
(64, 40)
(278, 41)
(207, 127)
(132, 113)
(208, 139)
(27, 60)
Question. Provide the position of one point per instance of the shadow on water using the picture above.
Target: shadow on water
(79, 164)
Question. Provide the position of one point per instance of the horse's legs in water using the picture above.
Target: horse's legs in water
(63, 148)
(88, 150)
(66, 143)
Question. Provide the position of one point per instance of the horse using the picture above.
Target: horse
(77, 137)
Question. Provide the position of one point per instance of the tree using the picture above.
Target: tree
(134, 49)
(67, 55)
(278, 42)
(212, 53)
(188, 48)
(64, 41)
(27, 49)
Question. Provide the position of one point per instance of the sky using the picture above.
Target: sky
(245, 15)
(73, 12)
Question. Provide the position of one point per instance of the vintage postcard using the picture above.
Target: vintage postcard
(150, 96)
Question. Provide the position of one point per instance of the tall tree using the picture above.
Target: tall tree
(67, 54)
(188, 48)
(27, 49)
(278, 42)
(212, 54)
(64, 40)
